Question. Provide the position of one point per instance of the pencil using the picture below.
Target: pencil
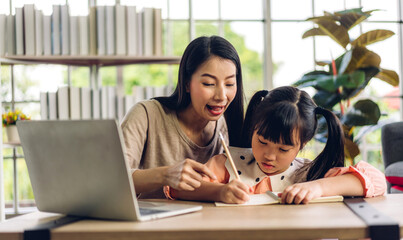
(229, 157)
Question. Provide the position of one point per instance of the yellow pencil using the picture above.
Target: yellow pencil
(229, 157)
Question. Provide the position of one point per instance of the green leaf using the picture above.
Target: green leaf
(363, 112)
(362, 58)
(354, 80)
(311, 76)
(326, 99)
(388, 76)
(344, 62)
(337, 32)
(370, 72)
(372, 37)
(314, 32)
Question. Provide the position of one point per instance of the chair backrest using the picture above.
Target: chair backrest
(392, 143)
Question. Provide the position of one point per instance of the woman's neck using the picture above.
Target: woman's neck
(197, 129)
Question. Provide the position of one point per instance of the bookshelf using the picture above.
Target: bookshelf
(88, 60)
(93, 62)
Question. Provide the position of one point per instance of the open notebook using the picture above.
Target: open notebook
(271, 198)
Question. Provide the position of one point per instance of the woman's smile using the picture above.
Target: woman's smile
(215, 110)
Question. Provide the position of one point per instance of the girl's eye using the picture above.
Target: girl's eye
(284, 150)
(261, 142)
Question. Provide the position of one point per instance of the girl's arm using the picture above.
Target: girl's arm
(362, 179)
(233, 192)
(345, 185)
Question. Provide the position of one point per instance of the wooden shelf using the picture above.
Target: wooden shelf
(88, 60)
(11, 144)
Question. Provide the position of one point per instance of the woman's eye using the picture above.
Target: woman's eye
(208, 84)
(230, 84)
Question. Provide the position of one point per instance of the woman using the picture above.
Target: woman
(168, 139)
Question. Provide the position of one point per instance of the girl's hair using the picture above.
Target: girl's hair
(196, 53)
(277, 114)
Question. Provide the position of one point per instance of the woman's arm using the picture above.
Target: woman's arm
(233, 192)
(186, 175)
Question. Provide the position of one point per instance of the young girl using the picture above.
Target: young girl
(278, 124)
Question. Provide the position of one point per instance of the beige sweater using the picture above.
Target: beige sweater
(153, 138)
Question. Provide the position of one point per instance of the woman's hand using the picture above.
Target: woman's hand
(234, 192)
(186, 175)
(302, 192)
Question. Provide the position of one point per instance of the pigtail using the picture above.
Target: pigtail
(247, 129)
(333, 153)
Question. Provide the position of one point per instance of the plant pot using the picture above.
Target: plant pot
(12, 134)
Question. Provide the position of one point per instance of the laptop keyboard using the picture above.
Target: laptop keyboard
(148, 211)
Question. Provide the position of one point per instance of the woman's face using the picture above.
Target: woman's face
(273, 158)
(212, 88)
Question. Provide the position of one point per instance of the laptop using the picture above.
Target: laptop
(78, 168)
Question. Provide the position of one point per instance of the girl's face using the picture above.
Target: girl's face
(273, 158)
(212, 88)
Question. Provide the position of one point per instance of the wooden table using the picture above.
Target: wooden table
(312, 221)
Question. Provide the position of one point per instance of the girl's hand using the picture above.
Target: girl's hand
(186, 175)
(234, 192)
(302, 192)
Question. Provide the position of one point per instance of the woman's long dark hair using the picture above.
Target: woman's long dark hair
(196, 53)
(278, 113)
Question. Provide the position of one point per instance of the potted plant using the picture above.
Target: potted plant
(9, 122)
(348, 74)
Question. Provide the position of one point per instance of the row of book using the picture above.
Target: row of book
(106, 31)
(86, 103)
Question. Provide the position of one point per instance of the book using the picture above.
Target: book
(19, 32)
(74, 36)
(47, 35)
(75, 103)
(157, 32)
(65, 31)
(84, 35)
(138, 93)
(52, 105)
(3, 35)
(111, 102)
(129, 102)
(148, 31)
(139, 27)
(104, 102)
(43, 99)
(56, 50)
(63, 100)
(120, 107)
(110, 29)
(29, 29)
(96, 103)
(93, 31)
(101, 32)
(10, 35)
(120, 27)
(272, 198)
(86, 100)
(39, 32)
(131, 30)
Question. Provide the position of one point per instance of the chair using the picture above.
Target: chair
(392, 145)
